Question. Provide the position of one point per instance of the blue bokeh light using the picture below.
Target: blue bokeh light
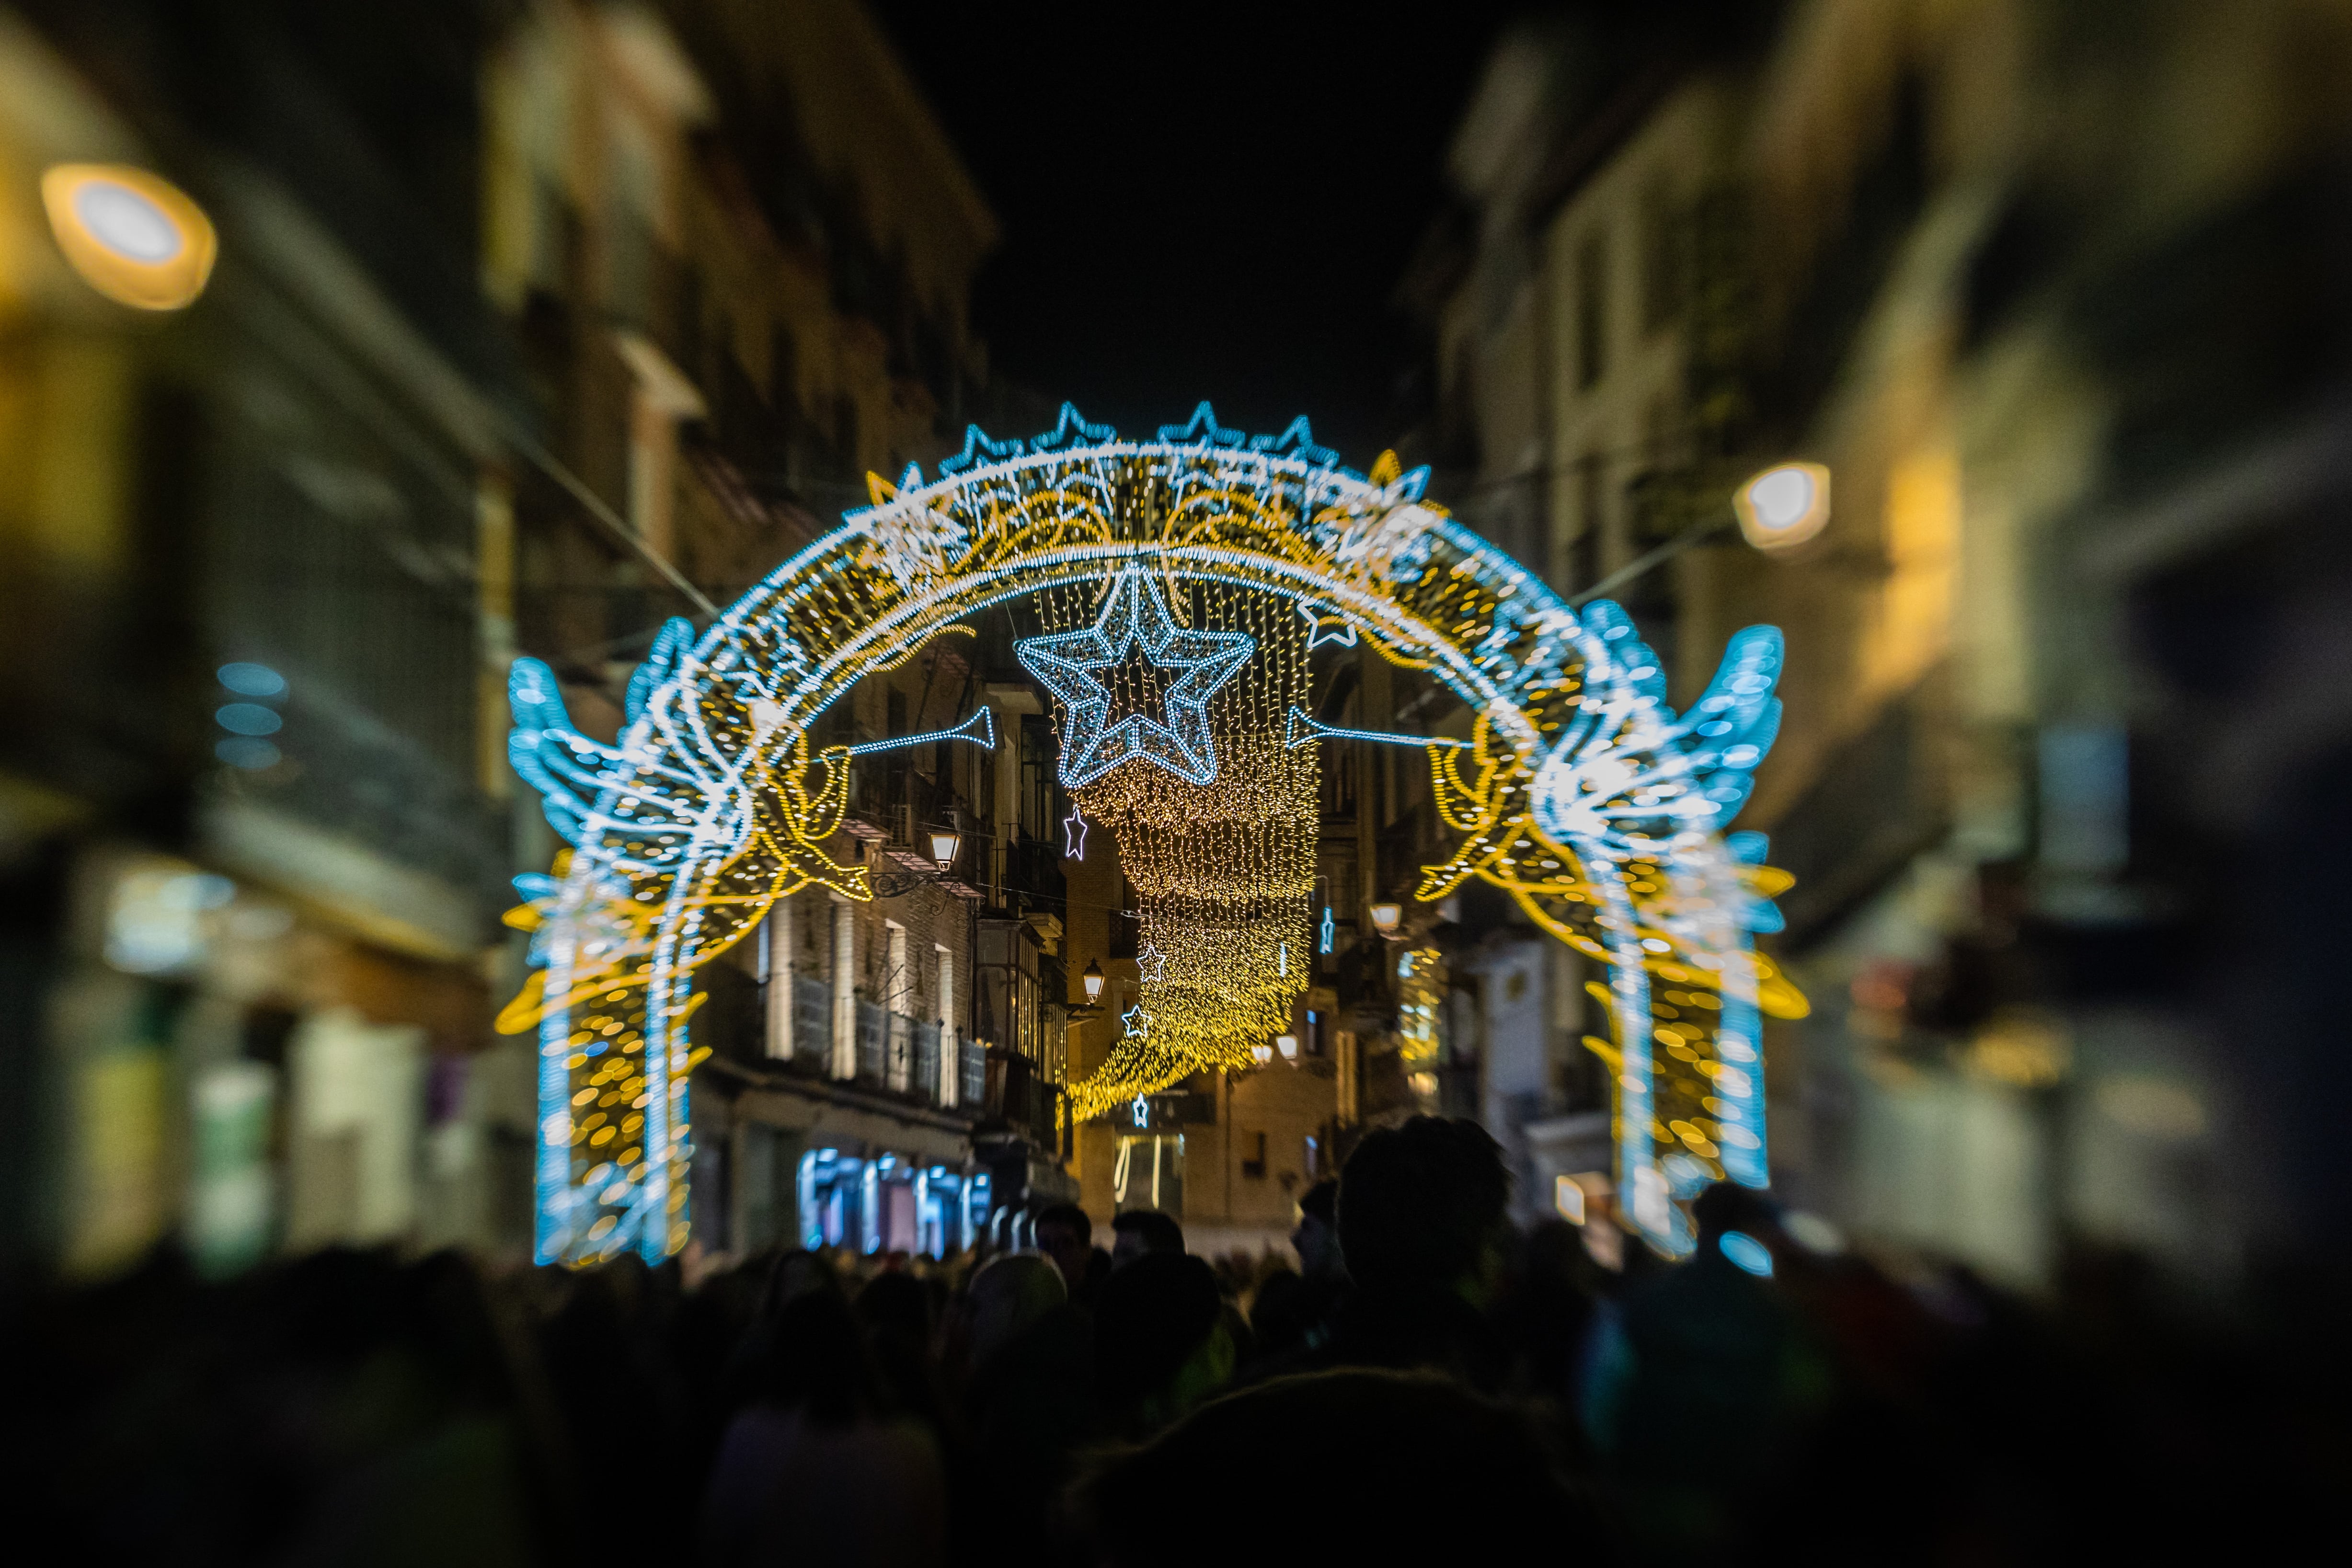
(252, 680)
(1746, 1252)
(248, 718)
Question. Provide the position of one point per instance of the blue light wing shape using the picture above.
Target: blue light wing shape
(584, 784)
(671, 644)
(1628, 768)
(1734, 721)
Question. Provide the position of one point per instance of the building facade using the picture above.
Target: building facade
(2066, 372)
(529, 328)
(739, 253)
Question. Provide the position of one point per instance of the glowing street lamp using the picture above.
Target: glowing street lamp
(1784, 506)
(1093, 980)
(133, 236)
(1386, 917)
(946, 844)
(1288, 1045)
(1261, 1054)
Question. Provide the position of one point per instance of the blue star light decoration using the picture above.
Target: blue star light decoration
(1135, 615)
(1136, 1019)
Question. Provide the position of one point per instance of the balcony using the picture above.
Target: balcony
(897, 1057)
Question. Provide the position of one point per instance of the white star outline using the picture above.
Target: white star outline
(1136, 1019)
(1151, 964)
(1134, 614)
(1074, 834)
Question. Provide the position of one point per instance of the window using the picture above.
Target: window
(1591, 310)
(1253, 1155)
(1665, 276)
(1584, 550)
(784, 372)
(845, 434)
(1126, 927)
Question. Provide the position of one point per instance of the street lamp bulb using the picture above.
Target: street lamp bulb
(1288, 1045)
(1784, 506)
(133, 236)
(945, 844)
(1261, 1054)
(1386, 917)
(1093, 980)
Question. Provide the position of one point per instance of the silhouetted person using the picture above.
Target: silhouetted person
(1142, 1231)
(1066, 1235)
(1421, 1220)
(1478, 1487)
(1707, 1346)
(1029, 1401)
(895, 1308)
(1293, 1312)
(1546, 1309)
(819, 1469)
(1162, 1343)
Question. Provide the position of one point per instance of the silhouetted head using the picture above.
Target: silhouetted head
(1422, 1205)
(1007, 1296)
(1155, 1317)
(1725, 1206)
(1316, 1236)
(817, 1361)
(1140, 1232)
(896, 1303)
(1066, 1235)
(796, 1274)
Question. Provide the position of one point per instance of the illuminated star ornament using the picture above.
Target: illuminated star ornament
(1136, 1019)
(1151, 964)
(1074, 835)
(1134, 616)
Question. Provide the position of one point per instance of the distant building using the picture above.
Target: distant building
(1584, 306)
(2052, 813)
(2055, 744)
(530, 327)
(738, 253)
(254, 833)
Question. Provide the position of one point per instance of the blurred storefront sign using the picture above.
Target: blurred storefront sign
(236, 1067)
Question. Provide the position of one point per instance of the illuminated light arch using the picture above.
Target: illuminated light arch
(1580, 793)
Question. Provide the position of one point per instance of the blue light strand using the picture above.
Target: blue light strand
(979, 730)
(1298, 728)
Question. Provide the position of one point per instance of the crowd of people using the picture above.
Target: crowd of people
(1426, 1380)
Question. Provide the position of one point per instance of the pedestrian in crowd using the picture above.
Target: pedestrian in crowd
(822, 1468)
(1029, 1398)
(1775, 1396)
(1162, 1343)
(1708, 1346)
(1421, 1220)
(1140, 1231)
(1293, 1312)
(1066, 1235)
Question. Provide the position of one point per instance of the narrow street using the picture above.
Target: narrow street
(814, 780)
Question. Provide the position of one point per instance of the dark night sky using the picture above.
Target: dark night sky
(1203, 200)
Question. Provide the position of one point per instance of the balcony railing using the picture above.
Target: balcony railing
(925, 1063)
